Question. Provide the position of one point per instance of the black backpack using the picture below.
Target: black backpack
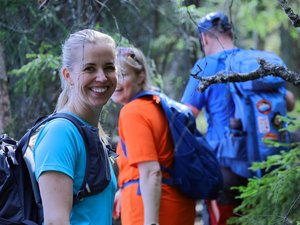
(20, 201)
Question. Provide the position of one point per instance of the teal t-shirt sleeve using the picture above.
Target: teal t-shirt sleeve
(57, 148)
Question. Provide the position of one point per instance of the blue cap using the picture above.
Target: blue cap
(214, 19)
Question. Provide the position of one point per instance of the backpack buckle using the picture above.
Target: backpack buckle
(78, 197)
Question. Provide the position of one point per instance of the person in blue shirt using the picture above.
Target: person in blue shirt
(88, 79)
(216, 39)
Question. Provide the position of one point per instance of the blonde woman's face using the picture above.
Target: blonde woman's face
(94, 76)
(129, 84)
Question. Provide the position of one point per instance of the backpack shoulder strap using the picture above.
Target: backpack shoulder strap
(94, 181)
(91, 144)
(23, 144)
(24, 141)
(145, 93)
(165, 102)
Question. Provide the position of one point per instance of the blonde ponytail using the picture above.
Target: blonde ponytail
(62, 99)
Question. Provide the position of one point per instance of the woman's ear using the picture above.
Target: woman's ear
(141, 78)
(67, 76)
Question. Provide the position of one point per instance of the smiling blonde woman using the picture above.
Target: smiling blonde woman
(88, 78)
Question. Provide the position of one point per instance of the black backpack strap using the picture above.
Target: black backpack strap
(28, 222)
(97, 173)
(93, 153)
(24, 141)
(91, 183)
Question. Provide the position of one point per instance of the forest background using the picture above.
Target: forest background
(31, 39)
(32, 32)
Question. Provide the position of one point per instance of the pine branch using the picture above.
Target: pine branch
(265, 69)
(15, 29)
(296, 201)
(290, 13)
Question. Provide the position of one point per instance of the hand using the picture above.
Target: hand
(117, 205)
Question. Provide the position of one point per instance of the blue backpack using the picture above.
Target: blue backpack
(258, 104)
(20, 201)
(196, 170)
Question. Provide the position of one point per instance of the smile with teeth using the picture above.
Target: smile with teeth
(99, 89)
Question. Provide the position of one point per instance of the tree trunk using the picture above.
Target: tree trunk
(290, 48)
(4, 97)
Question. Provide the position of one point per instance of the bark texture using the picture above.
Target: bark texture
(4, 96)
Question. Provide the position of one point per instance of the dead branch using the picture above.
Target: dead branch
(265, 69)
(43, 4)
(290, 13)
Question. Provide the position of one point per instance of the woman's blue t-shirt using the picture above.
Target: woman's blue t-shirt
(60, 147)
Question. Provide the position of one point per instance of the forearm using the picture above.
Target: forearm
(150, 184)
(290, 101)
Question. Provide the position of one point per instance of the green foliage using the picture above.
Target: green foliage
(262, 19)
(35, 76)
(294, 118)
(156, 78)
(275, 198)
(164, 30)
(260, 16)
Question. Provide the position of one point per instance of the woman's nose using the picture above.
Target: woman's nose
(101, 76)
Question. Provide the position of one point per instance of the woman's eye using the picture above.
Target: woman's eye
(89, 69)
(110, 68)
